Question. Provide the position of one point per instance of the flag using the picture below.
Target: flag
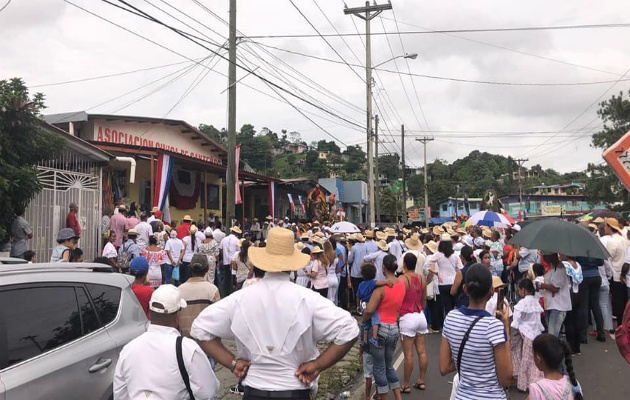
(163, 177)
(237, 197)
(291, 202)
(272, 196)
(302, 204)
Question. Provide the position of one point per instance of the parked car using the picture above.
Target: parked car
(62, 327)
(12, 260)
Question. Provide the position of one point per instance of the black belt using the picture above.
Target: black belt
(281, 394)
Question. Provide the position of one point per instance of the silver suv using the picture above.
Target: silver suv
(62, 327)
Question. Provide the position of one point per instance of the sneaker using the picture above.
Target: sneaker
(374, 342)
(237, 390)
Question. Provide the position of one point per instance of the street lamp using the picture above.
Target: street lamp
(411, 56)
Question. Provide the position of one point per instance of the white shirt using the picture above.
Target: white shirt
(149, 364)
(396, 248)
(617, 247)
(174, 247)
(527, 317)
(190, 252)
(276, 333)
(446, 267)
(420, 260)
(109, 251)
(229, 247)
(561, 301)
(218, 235)
(377, 259)
(144, 231)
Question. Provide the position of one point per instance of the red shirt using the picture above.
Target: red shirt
(143, 293)
(73, 223)
(182, 230)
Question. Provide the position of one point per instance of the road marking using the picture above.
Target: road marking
(399, 361)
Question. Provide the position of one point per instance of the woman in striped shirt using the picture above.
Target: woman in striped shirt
(476, 344)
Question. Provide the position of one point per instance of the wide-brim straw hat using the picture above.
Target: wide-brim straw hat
(613, 223)
(431, 246)
(319, 234)
(413, 243)
(236, 229)
(381, 236)
(497, 282)
(279, 254)
(390, 232)
(317, 250)
(486, 232)
(369, 234)
(383, 245)
(299, 246)
(445, 237)
(318, 240)
(437, 230)
(186, 218)
(269, 217)
(305, 236)
(451, 232)
(424, 231)
(359, 237)
(598, 220)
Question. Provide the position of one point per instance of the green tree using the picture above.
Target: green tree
(256, 150)
(356, 159)
(311, 157)
(213, 133)
(318, 170)
(389, 166)
(388, 202)
(330, 147)
(23, 143)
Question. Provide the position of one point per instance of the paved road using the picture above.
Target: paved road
(602, 372)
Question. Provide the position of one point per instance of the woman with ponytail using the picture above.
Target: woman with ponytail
(549, 354)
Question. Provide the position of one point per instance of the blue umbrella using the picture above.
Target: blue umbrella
(489, 218)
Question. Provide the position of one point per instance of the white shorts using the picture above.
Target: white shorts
(412, 324)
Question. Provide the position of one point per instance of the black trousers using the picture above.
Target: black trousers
(619, 295)
(436, 313)
(342, 292)
(184, 272)
(227, 280)
(589, 300)
(355, 288)
(572, 324)
(323, 292)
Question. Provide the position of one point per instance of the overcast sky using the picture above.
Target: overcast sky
(50, 41)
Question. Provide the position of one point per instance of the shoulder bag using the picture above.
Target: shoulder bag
(182, 367)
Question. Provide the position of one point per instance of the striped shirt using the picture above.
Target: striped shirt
(478, 377)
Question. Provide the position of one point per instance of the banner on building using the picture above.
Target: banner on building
(302, 207)
(237, 189)
(162, 181)
(291, 203)
(272, 202)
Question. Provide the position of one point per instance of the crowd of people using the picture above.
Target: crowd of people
(281, 287)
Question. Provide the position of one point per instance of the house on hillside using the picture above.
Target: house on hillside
(562, 190)
(545, 205)
(457, 206)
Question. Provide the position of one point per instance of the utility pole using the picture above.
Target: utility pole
(427, 217)
(404, 179)
(377, 186)
(231, 172)
(520, 162)
(367, 13)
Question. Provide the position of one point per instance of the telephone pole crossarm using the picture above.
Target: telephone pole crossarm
(427, 216)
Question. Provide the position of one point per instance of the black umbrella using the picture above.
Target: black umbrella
(562, 237)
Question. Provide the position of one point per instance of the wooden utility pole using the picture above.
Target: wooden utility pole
(520, 162)
(404, 179)
(427, 217)
(377, 186)
(367, 13)
(231, 170)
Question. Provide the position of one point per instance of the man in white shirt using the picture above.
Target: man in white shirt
(617, 246)
(148, 366)
(276, 335)
(144, 230)
(218, 234)
(229, 247)
(396, 246)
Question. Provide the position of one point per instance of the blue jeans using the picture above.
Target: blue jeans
(554, 319)
(168, 273)
(384, 373)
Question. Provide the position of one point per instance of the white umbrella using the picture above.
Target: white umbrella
(489, 218)
(344, 227)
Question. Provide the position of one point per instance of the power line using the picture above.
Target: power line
(472, 30)
(5, 6)
(444, 78)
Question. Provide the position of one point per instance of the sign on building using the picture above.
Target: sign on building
(618, 158)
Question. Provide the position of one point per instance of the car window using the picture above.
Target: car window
(37, 319)
(106, 300)
(88, 314)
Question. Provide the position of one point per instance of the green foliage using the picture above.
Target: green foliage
(330, 147)
(23, 143)
(213, 133)
(389, 166)
(388, 202)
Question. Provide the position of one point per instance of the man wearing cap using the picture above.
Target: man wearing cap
(229, 247)
(118, 223)
(144, 230)
(617, 246)
(150, 365)
(130, 246)
(198, 293)
(276, 335)
(184, 229)
(139, 268)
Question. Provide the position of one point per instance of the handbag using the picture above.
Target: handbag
(175, 273)
(431, 291)
(622, 335)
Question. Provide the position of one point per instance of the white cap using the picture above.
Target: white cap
(173, 233)
(166, 299)
(208, 231)
(516, 227)
(469, 241)
(478, 242)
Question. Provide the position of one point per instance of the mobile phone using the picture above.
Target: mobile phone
(501, 299)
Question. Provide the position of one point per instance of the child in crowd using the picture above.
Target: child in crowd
(549, 353)
(364, 294)
(528, 326)
(29, 256)
(538, 272)
(76, 255)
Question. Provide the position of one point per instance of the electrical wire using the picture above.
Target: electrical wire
(5, 6)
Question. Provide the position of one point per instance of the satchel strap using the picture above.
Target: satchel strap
(464, 340)
(182, 366)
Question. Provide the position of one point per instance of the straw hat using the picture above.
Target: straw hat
(390, 232)
(186, 218)
(317, 250)
(359, 237)
(132, 232)
(268, 217)
(599, 220)
(193, 229)
(593, 226)
(240, 242)
(613, 223)
(319, 234)
(451, 232)
(167, 228)
(319, 240)
(382, 245)
(431, 246)
(236, 229)
(316, 222)
(369, 234)
(437, 230)
(381, 235)
(299, 246)
(486, 232)
(406, 231)
(413, 243)
(424, 231)
(279, 254)
(155, 209)
(497, 282)
(305, 236)
(445, 237)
